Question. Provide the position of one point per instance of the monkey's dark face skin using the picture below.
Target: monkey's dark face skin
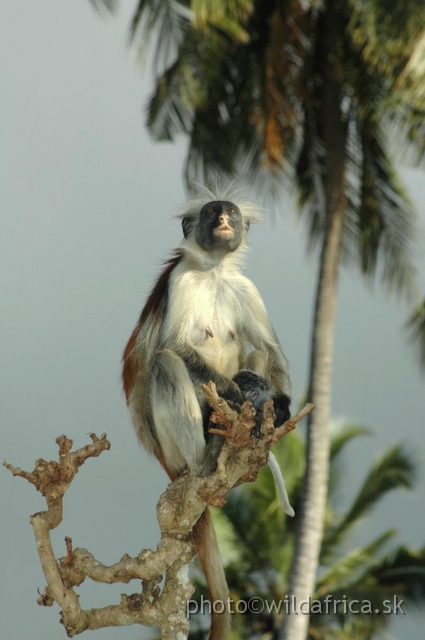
(220, 226)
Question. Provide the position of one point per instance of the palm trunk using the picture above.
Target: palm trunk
(313, 504)
(311, 515)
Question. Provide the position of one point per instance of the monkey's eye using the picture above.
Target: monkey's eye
(230, 210)
(210, 209)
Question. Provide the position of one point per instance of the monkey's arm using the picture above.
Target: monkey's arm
(201, 373)
(268, 359)
(260, 333)
(277, 374)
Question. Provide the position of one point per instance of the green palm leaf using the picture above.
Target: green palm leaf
(164, 21)
(228, 16)
(339, 440)
(403, 572)
(344, 436)
(386, 223)
(256, 542)
(392, 470)
(344, 571)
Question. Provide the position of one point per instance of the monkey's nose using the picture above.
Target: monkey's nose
(223, 219)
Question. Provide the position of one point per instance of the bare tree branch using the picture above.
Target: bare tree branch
(178, 510)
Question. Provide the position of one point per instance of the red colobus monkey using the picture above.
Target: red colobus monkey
(203, 320)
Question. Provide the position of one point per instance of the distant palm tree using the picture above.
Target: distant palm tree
(317, 93)
(258, 542)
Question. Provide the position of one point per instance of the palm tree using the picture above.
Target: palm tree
(259, 540)
(315, 93)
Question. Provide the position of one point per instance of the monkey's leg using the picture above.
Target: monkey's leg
(176, 414)
(256, 362)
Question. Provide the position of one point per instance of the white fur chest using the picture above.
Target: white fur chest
(204, 312)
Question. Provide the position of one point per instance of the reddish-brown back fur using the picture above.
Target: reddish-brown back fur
(129, 369)
(157, 297)
(152, 310)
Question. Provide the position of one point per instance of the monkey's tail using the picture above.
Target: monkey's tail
(280, 483)
(209, 557)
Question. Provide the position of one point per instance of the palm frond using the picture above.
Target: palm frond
(229, 17)
(164, 21)
(247, 530)
(387, 39)
(416, 328)
(398, 575)
(410, 94)
(181, 89)
(344, 436)
(310, 172)
(348, 568)
(393, 470)
(403, 571)
(257, 543)
(223, 134)
(387, 225)
(380, 230)
(339, 440)
(230, 108)
(101, 5)
(390, 47)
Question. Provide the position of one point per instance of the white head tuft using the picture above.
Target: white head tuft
(218, 190)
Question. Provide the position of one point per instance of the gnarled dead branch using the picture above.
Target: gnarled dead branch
(178, 510)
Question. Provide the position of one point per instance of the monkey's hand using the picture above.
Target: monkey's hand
(281, 409)
(232, 394)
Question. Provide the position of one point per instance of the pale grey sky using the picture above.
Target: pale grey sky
(86, 219)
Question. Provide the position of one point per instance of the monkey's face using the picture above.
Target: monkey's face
(220, 226)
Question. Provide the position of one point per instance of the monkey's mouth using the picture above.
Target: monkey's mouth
(224, 232)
